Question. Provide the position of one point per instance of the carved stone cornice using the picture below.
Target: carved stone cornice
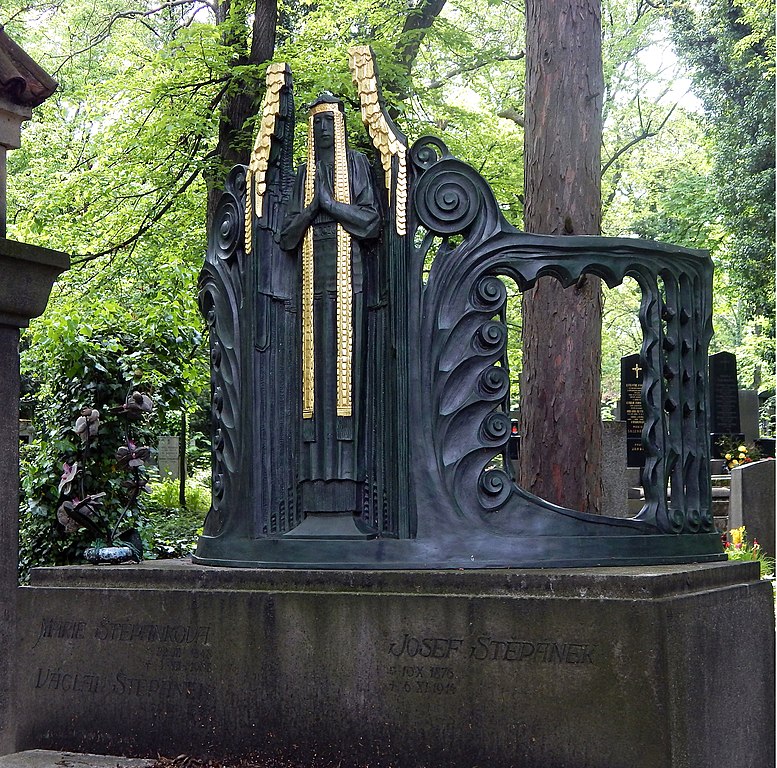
(28, 275)
(22, 80)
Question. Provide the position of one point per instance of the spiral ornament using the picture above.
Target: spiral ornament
(218, 486)
(675, 519)
(229, 227)
(494, 383)
(490, 337)
(427, 151)
(495, 429)
(217, 404)
(489, 294)
(494, 488)
(693, 520)
(447, 197)
(215, 354)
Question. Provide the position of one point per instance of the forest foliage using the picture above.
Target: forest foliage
(158, 98)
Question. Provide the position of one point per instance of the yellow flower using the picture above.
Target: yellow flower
(734, 463)
(742, 448)
(728, 457)
(742, 456)
(737, 535)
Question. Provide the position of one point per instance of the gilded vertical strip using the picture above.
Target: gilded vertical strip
(256, 178)
(344, 283)
(384, 139)
(308, 342)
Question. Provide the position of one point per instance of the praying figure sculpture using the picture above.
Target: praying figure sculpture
(332, 222)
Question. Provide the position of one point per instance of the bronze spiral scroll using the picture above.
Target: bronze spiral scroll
(488, 294)
(495, 429)
(489, 338)
(447, 199)
(427, 151)
(493, 384)
(494, 489)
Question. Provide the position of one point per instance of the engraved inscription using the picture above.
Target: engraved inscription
(151, 633)
(412, 670)
(428, 647)
(635, 415)
(55, 628)
(61, 629)
(485, 647)
(121, 684)
(423, 679)
(168, 656)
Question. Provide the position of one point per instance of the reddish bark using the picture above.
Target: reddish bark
(560, 384)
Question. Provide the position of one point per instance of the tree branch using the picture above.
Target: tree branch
(646, 133)
(105, 32)
(472, 67)
(511, 114)
(148, 222)
(417, 24)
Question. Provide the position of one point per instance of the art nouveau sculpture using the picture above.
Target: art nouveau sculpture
(361, 396)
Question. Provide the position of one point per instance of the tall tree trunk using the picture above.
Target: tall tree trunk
(560, 384)
(243, 98)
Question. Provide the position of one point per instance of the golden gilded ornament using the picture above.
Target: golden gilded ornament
(383, 137)
(344, 313)
(256, 178)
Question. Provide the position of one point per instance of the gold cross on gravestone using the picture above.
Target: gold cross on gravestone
(636, 369)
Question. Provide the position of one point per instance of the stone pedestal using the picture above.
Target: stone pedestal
(27, 276)
(598, 668)
(752, 502)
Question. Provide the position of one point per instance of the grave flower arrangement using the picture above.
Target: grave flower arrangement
(739, 548)
(737, 454)
(82, 507)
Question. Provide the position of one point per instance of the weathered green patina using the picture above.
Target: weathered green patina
(428, 370)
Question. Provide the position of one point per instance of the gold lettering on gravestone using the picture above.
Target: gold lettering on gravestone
(635, 415)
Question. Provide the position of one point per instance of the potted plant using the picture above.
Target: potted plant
(80, 507)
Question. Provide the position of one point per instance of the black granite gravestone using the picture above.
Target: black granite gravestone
(631, 409)
(724, 400)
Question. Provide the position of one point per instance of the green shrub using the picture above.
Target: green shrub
(169, 530)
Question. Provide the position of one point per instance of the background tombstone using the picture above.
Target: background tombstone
(169, 457)
(751, 502)
(724, 400)
(631, 409)
(748, 414)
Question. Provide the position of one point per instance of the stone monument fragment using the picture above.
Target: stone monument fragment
(752, 502)
(27, 273)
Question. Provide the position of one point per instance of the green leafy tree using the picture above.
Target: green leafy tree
(730, 47)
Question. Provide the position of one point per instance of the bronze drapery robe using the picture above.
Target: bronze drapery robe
(329, 459)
